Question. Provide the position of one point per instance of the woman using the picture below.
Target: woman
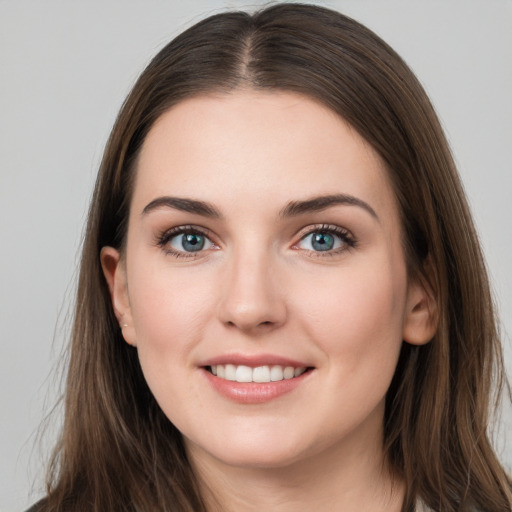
(282, 301)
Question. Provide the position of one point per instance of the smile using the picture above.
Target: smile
(259, 374)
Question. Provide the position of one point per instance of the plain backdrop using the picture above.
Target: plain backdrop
(65, 68)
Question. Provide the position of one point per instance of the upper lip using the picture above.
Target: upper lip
(254, 360)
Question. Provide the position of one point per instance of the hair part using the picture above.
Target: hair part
(116, 444)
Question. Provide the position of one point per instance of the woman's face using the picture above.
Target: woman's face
(264, 282)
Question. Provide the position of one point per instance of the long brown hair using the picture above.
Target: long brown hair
(117, 450)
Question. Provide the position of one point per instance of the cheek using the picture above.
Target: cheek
(166, 300)
(169, 311)
(356, 317)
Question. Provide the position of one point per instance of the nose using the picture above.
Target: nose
(252, 299)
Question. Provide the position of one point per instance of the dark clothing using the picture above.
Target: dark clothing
(38, 507)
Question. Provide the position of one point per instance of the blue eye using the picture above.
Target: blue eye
(190, 242)
(331, 239)
(184, 241)
(322, 241)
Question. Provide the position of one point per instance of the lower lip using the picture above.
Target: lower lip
(253, 392)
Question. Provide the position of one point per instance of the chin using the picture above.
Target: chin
(258, 451)
(262, 458)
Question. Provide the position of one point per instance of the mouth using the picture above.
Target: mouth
(258, 374)
(248, 380)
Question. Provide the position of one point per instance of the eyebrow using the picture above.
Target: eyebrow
(320, 203)
(185, 205)
(292, 209)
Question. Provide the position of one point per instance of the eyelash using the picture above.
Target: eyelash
(164, 238)
(347, 239)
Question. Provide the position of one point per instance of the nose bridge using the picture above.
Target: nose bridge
(251, 298)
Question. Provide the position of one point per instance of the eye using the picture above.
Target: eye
(184, 241)
(326, 239)
(189, 242)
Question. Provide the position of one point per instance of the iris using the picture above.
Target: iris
(192, 242)
(322, 241)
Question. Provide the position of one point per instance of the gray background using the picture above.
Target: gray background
(65, 67)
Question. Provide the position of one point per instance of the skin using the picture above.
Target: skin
(259, 287)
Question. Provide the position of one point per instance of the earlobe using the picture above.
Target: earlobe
(115, 274)
(421, 315)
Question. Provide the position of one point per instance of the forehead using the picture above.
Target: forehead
(269, 147)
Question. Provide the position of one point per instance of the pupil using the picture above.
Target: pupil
(193, 242)
(322, 241)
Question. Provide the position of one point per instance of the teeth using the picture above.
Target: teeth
(288, 372)
(230, 372)
(298, 372)
(243, 373)
(276, 373)
(261, 374)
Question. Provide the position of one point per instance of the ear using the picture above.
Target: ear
(421, 314)
(114, 270)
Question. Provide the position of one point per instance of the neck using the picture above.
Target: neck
(350, 476)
